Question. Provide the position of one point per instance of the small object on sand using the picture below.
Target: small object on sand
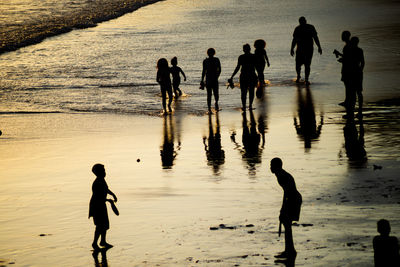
(249, 225)
(250, 232)
(138, 160)
(214, 228)
(377, 167)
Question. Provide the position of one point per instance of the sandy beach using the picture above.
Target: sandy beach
(92, 98)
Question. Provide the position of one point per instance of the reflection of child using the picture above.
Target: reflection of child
(260, 58)
(386, 248)
(164, 79)
(176, 78)
(98, 208)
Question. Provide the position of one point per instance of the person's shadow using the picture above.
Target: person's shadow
(306, 123)
(354, 142)
(167, 151)
(212, 145)
(95, 255)
(251, 138)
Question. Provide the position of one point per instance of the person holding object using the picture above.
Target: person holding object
(98, 208)
(291, 206)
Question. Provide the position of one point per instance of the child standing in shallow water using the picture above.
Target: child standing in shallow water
(164, 80)
(176, 78)
(98, 208)
(260, 58)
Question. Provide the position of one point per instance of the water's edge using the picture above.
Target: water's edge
(28, 35)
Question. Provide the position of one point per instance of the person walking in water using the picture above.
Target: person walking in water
(248, 77)
(164, 80)
(98, 208)
(304, 37)
(260, 57)
(176, 77)
(211, 72)
(291, 206)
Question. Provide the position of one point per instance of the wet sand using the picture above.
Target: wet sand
(168, 213)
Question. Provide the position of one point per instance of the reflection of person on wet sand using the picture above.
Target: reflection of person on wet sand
(214, 152)
(251, 138)
(98, 208)
(211, 72)
(354, 141)
(304, 37)
(260, 58)
(248, 77)
(164, 79)
(176, 76)
(291, 205)
(167, 151)
(307, 127)
(386, 248)
(95, 254)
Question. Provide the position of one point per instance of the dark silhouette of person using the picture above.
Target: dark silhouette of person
(291, 206)
(95, 254)
(341, 58)
(386, 248)
(260, 58)
(167, 151)
(248, 77)
(211, 72)
(98, 208)
(306, 125)
(354, 142)
(304, 37)
(251, 138)
(354, 58)
(176, 77)
(164, 79)
(212, 145)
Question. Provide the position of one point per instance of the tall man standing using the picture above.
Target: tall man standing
(304, 37)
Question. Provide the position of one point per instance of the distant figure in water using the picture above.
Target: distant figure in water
(291, 206)
(354, 58)
(211, 71)
(98, 208)
(304, 37)
(176, 77)
(248, 78)
(260, 58)
(164, 80)
(341, 58)
(386, 248)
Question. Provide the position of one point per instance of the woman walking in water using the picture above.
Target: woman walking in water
(164, 80)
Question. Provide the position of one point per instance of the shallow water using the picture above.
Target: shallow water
(111, 68)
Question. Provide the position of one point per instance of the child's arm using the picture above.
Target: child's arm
(266, 58)
(183, 74)
(113, 195)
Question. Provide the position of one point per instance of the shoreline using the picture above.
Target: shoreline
(29, 35)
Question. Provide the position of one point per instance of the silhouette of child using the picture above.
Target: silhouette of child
(291, 206)
(164, 79)
(386, 248)
(176, 78)
(260, 58)
(98, 208)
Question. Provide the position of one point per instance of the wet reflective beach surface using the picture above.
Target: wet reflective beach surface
(195, 188)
